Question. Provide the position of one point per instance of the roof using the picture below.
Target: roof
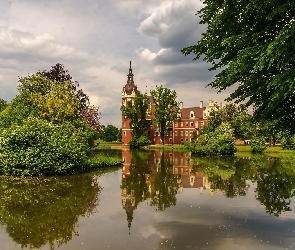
(185, 112)
(129, 87)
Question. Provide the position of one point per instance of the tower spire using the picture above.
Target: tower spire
(130, 75)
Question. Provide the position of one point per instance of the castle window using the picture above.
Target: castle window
(124, 133)
(186, 124)
(176, 133)
(202, 124)
(181, 133)
(186, 133)
(181, 124)
(192, 124)
(176, 124)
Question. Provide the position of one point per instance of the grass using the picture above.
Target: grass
(174, 147)
(275, 151)
(104, 144)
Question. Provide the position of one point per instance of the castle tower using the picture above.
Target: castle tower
(128, 95)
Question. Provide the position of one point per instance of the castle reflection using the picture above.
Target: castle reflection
(157, 176)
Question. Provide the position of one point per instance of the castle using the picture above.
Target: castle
(191, 119)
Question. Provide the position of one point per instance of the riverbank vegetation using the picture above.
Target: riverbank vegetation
(49, 128)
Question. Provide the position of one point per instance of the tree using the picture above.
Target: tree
(166, 109)
(43, 82)
(236, 115)
(252, 43)
(61, 75)
(3, 104)
(136, 112)
(110, 133)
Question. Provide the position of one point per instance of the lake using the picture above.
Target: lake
(156, 200)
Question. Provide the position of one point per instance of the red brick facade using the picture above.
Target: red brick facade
(180, 131)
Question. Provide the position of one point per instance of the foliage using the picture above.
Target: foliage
(119, 135)
(20, 108)
(41, 148)
(89, 113)
(257, 144)
(109, 133)
(288, 141)
(218, 142)
(135, 112)
(3, 104)
(58, 74)
(238, 118)
(91, 116)
(251, 42)
(137, 142)
(166, 109)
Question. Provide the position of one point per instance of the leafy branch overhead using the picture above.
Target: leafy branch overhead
(253, 44)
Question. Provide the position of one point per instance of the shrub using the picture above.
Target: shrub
(257, 144)
(39, 148)
(219, 142)
(139, 142)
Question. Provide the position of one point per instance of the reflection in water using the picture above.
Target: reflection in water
(275, 184)
(46, 210)
(156, 177)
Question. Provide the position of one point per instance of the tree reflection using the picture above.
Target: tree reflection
(228, 174)
(148, 177)
(275, 184)
(275, 178)
(166, 185)
(46, 210)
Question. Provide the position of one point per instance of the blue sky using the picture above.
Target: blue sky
(96, 39)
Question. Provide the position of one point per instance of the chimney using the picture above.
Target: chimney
(181, 105)
(201, 104)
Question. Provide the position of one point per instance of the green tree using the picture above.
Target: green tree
(217, 142)
(238, 118)
(136, 112)
(3, 104)
(109, 133)
(166, 109)
(252, 43)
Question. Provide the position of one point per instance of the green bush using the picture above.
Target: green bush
(257, 144)
(139, 142)
(40, 148)
(219, 142)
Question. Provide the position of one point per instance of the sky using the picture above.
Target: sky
(96, 39)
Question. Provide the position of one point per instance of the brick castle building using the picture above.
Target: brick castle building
(191, 119)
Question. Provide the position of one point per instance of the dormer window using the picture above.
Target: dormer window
(192, 114)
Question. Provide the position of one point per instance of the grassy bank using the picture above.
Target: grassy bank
(166, 147)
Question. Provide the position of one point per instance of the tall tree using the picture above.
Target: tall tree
(166, 108)
(110, 133)
(59, 74)
(89, 113)
(252, 43)
(136, 112)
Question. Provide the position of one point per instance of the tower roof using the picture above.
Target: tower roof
(130, 86)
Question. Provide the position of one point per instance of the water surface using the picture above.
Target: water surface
(157, 200)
